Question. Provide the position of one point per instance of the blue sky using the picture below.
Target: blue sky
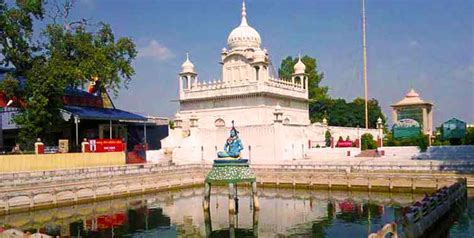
(425, 44)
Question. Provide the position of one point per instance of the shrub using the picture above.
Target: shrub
(422, 142)
(328, 138)
(469, 137)
(367, 142)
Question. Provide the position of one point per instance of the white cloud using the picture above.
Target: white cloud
(155, 50)
(414, 43)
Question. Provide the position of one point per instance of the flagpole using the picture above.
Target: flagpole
(364, 42)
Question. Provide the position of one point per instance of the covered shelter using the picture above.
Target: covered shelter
(415, 108)
(87, 115)
(454, 129)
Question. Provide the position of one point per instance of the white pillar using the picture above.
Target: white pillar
(425, 120)
(110, 129)
(394, 115)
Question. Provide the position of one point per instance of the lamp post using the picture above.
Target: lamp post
(1, 121)
(77, 120)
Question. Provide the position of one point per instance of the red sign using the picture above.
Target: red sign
(106, 221)
(106, 145)
(344, 144)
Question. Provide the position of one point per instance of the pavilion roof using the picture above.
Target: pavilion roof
(411, 98)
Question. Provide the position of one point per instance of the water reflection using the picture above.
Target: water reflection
(283, 213)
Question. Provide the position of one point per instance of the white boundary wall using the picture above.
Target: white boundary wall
(269, 144)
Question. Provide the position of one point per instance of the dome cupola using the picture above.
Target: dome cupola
(299, 67)
(187, 66)
(244, 36)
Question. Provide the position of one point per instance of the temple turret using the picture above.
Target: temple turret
(188, 77)
(299, 77)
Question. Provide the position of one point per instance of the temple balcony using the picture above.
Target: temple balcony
(233, 88)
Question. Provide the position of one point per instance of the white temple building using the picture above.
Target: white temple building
(270, 113)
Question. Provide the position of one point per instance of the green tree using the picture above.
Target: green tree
(367, 142)
(374, 110)
(71, 54)
(327, 136)
(469, 137)
(16, 31)
(341, 113)
(422, 142)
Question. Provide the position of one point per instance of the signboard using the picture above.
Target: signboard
(63, 146)
(344, 144)
(406, 128)
(106, 145)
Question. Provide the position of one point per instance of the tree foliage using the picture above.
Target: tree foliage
(68, 55)
(16, 30)
(469, 137)
(327, 138)
(338, 112)
(421, 141)
(368, 142)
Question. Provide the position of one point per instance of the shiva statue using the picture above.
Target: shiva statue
(232, 146)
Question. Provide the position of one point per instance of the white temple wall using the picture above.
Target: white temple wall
(263, 144)
(237, 67)
(352, 132)
(203, 144)
(245, 116)
(242, 101)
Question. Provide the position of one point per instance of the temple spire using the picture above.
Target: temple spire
(244, 15)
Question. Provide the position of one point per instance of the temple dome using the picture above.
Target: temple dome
(187, 66)
(244, 36)
(299, 67)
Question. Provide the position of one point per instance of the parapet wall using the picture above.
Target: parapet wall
(41, 162)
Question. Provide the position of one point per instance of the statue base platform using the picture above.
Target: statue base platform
(230, 171)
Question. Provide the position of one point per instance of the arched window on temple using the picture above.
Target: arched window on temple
(219, 122)
(298, 80)
(256, 72)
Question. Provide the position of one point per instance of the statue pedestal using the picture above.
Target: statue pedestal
(230, 172)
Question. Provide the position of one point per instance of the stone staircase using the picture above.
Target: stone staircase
(461, 152)
(368, 154)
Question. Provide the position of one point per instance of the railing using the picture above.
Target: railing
(422, 215)
(465, 167)
(30, 189)
(221, 88)
(77, 174)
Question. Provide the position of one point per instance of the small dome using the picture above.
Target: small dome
(299, 67)
(187, 66)
(244, 36)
